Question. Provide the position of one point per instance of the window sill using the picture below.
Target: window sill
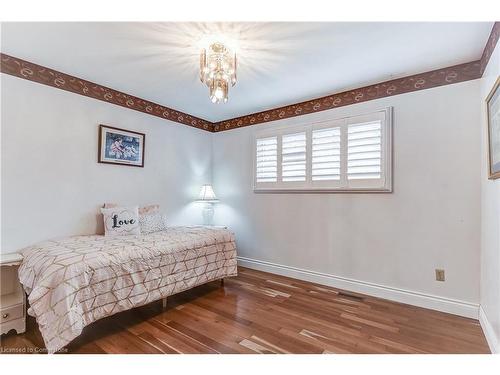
(320, 191)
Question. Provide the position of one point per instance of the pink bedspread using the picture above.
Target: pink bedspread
(72, 282)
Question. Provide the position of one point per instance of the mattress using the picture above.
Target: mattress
(74, 281)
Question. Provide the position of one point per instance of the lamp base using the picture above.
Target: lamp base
(208, 213)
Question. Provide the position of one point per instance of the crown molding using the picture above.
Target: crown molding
(435, 78)
(50, 77)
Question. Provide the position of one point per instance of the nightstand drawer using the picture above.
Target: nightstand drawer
(13, 312)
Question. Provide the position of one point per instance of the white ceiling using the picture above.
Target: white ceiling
(279, 63)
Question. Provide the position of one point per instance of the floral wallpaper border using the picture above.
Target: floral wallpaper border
(37, 73)
(490, 46)
(435, 78)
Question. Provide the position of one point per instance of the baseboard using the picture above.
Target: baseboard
(489, 333)
(448, 305)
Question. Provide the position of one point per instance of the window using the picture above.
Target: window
(349, 154)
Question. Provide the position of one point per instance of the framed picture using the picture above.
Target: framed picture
(121, 146)
(493, 113)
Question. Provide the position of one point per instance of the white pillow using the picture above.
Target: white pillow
(152, 223)
(121, 221)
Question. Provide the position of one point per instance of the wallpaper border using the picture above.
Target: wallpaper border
(50, 77)
(427, 80)
(435, 78)
(445, 76)
(490, 46)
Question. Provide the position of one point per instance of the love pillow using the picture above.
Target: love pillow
(121, 221)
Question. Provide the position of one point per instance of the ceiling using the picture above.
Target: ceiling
(279, 63)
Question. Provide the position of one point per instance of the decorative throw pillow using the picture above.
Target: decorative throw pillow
(144, 210)
(152, 223)
(120, 221)
(148, 210)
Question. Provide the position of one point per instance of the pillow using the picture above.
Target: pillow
(147, 210)
(121, 221)
(152, 223)
(144, 210)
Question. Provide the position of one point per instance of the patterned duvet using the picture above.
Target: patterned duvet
(75, 281)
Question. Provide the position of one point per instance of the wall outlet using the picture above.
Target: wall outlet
(439, 275)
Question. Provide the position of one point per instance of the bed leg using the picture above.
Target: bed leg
(164, 303)
(222, 283)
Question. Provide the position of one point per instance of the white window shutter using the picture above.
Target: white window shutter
(266, 164)
(347, 154)
(364, 151)
(293, 157)
(326, 154)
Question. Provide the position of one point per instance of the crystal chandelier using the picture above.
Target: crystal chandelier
(218, 70)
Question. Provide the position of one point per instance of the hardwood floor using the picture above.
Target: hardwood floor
(258, 312)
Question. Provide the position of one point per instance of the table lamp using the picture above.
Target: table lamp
(208, 197)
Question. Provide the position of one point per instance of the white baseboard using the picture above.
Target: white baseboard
(489, 332)
(452, 306)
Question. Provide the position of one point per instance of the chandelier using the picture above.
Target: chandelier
(218, 70)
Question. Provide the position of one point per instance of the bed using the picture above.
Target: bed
(74, 281)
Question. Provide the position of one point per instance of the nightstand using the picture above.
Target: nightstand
(12, 296)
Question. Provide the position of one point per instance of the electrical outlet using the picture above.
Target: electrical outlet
(439, 275)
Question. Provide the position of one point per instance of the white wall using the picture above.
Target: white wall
(431, 220)
(52, 184)
(490, 220)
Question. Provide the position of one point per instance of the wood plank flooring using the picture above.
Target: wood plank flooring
(258, 312)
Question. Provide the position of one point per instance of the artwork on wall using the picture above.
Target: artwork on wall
(120, 146)
(493, 113)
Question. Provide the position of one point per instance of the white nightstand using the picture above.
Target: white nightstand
(12, 296)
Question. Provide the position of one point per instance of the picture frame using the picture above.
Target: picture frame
(493, 123)
(121, 146)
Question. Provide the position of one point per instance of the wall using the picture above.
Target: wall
(52, 184)
(382, 244)
(490, 221)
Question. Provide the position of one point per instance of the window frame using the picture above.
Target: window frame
(382, 185)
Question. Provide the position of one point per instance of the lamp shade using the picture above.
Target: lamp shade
(207, 194)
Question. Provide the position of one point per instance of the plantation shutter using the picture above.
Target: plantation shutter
(346, 154)
(293, 157)
(364, 151)
(267, 159)
(326, 154)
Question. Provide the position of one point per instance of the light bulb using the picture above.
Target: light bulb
(219, 94)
